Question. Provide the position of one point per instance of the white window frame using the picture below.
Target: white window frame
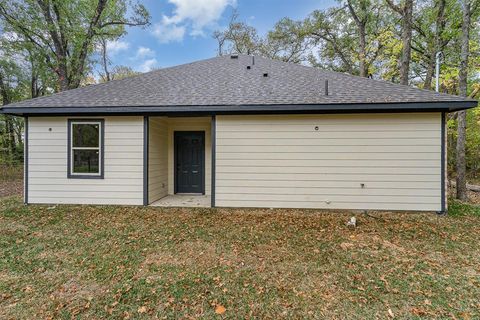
(71, 173)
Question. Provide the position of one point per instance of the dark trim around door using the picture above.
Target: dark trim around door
(214, 150)
(25, 162)
(145, 159)
(175, 186)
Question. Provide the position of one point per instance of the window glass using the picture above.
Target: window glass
(85, 135)
(86, 161)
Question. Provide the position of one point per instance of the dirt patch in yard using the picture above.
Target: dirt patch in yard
(474, 197)
(11, 187)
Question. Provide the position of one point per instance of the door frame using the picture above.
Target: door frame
(177, 133)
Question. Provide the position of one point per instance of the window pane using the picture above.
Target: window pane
(85, 135)
(86, 161)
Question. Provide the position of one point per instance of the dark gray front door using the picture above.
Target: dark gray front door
(189, 161)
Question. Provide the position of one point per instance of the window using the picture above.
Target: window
(85, 148)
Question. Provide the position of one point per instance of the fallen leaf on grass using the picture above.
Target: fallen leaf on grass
(418, 312)
(28, 289)
(219, 309)
(346, 245)
(390, 313)
(142, 309)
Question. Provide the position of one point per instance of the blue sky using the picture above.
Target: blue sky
(181, 29)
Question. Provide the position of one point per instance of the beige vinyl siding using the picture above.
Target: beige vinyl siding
(158, 158)
(47, 164)
(190, 124)
(320, 161)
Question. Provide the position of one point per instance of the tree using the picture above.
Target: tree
(287, 41)
(349, 38)
(405, 10)
(105, 61)
(430, 40)
(63, 37)
(9, 133)
(22, 76)
(360, 15)
(332, 36)
(118, 73)
(238, 38)
(461, 182)
(12, 88)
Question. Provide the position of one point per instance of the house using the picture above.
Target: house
(239, 131)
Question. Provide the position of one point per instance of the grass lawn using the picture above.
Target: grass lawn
(133, 262)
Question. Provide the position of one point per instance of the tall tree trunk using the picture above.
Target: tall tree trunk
(363, 52)
(9, 132)
(103, 42)
(34, 89)
(62, 72)
(427, 84)
(406, 42)
(362, 36)
(406, 13)
(438, 43)
(462, 122)
(461, 163)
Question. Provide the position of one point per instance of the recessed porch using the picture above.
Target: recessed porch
(179, 161)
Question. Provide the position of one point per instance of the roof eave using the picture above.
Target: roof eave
(448, 106)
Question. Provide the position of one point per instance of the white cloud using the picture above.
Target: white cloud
(148, 65)
(196, 15)
(143, 60)
(113, 47)
(144, 52)
(168, 32)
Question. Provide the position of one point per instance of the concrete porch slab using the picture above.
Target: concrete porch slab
(184, 200)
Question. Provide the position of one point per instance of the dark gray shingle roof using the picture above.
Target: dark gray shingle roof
(224, 81)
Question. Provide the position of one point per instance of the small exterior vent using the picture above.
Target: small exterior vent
(265, 75)
(234, 56)
(248, 67)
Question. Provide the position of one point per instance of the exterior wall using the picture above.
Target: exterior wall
(157, 158)
(190, 124)
(320, 161)
(47, 164)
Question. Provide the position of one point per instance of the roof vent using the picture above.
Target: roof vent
(248, 67)
(265, 75)
(326, 87)
(234, 56)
